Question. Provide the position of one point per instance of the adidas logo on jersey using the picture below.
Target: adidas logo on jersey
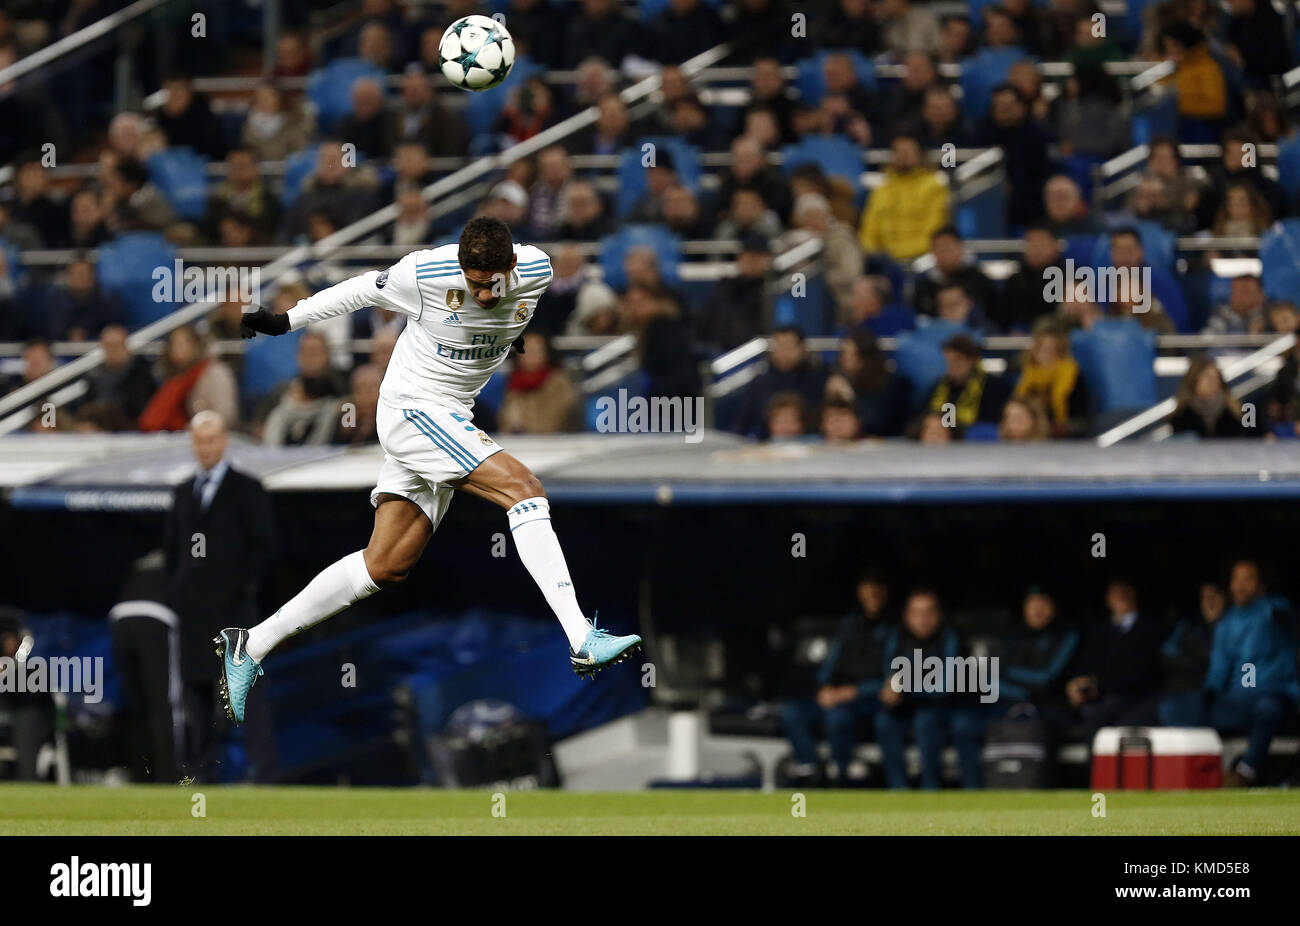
(452, 319)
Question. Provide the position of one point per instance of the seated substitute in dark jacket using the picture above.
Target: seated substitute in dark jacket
(848, 685)
(1035, 657)
(1185, 658)
(932, 717)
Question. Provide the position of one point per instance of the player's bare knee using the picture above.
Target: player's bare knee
(386, 569)
(525, 485)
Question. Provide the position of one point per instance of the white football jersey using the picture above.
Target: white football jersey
(451, 345)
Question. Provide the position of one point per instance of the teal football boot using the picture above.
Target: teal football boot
(601, 649)
(238, 671)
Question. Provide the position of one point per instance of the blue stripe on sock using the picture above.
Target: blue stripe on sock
(453, 451)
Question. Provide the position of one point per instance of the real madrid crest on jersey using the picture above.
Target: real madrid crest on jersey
(455, 298)
(521, 313)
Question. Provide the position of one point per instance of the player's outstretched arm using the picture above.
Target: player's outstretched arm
(393, 289)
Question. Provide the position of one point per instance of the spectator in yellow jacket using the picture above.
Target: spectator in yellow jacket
(905, 210)
(1202, 87)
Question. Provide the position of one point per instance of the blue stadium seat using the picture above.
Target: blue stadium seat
(920, 363)
(482, 109)
(126, 267)
(983, 71)
(1288, 165)
(1279, 251)
(982, 432)
(494, 390)
(1080, 248)
(632, 176)
(268, 362)
(13, 260)
(637, 383)
(894, 318)
(837, 156)
(1219, 290)
(296, 168)
(1160, 118)
(613, 248)
(811, 81)
(812, 313)
(936, 331)
(330, 87)
(1202, 291)
(182, 176)
(1117, 358)
(1079, 168)
(918, 355)
(984, 215)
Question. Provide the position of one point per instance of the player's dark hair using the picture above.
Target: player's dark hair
(485, 244)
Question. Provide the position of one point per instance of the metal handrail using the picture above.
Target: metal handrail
(96, 30)
(292, 260)
(1231, 370)
(216, 254)
(586, 343)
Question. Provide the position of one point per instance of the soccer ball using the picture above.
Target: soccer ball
(476, 53)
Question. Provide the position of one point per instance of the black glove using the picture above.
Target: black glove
(263, 322)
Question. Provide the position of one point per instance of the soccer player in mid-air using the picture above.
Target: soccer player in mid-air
(465, 305)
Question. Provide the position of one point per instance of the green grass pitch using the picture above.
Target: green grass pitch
(162, 810)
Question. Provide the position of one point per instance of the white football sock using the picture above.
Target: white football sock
(539, 548)
(334, 588)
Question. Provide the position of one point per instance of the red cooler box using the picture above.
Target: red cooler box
(1156, 758)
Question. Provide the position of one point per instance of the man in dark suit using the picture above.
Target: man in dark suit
(1119, 679)
(218, 542)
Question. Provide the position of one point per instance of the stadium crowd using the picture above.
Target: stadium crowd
(893, 259)
(1228, 663)
(895, 262)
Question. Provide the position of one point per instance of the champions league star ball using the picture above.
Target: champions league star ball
(476, 53)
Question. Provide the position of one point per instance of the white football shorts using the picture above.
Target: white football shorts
(424, 449)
